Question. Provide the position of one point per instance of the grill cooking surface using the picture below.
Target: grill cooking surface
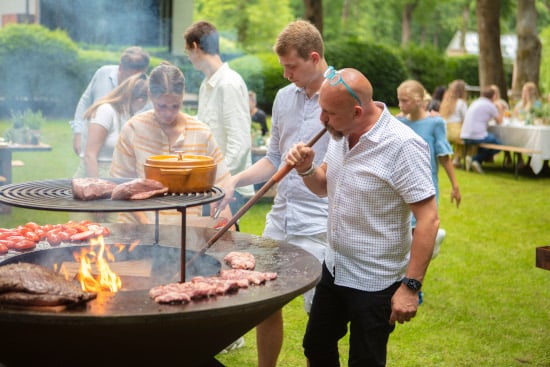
(57, 195)
(148, 334)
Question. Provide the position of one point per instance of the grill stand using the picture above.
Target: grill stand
(182, 239)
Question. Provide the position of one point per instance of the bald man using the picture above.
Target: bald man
(375, 172)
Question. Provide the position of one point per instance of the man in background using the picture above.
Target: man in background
(132, 61)
(257, 114)
(476, 124)
(223, 102)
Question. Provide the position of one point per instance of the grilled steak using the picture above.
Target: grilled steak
(25, 284)
(91, 188)
(138, 189)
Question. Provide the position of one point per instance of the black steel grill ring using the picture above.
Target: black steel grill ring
(57, 195)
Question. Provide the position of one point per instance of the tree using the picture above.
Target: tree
(314, 13)
(244, 21)
(406, 20)
(529, 50)
(491, 66)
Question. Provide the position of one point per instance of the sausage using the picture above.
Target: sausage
(8, 233)
(24, 245)
(3, 247)
(32, 236)
(53, 238)
(63, 236)
(82, 236)
(33, 226)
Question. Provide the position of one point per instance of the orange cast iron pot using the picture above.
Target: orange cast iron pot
(182, 173)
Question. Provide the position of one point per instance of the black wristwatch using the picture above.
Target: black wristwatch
(412, 284)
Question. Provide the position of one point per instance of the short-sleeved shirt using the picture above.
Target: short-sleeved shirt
(432, 129)
(459, 113)
(142, 137)
(104, 80)
(370, 188)
(108, 118)
(476, 122)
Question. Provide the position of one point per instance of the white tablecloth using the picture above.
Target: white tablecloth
(531, 137)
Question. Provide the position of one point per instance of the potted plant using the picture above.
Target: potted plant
(34, 121)
(18, 133)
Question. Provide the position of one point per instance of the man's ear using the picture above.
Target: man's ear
(315, 57)
(357, 111)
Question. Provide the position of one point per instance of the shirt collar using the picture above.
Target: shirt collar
(217, 76)
(376, 133)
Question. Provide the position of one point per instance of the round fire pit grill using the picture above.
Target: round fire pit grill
(128, 328)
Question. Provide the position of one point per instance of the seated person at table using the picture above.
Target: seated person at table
(162, 131)
(530, 100)
(257, 114)
(475, 127)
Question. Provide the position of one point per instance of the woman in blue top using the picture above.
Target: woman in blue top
(432, 129)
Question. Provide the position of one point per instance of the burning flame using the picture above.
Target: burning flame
(105, 280)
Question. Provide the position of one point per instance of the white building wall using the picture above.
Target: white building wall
(18, 7)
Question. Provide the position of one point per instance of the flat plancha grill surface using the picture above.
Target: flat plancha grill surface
(57, 195)
(139, 332)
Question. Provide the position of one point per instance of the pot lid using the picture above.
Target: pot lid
(179, 161)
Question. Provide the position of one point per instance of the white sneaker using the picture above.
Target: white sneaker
(476, 166)
(239, 343)
(468, 163)
(438, 240)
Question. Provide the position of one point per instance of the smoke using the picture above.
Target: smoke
(107, 22)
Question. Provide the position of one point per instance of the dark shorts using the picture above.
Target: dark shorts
(368, 315)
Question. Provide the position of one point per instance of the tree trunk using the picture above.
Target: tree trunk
(491, 68)
(406, 22)
(314, 13)
(345, 15)
(464, 28)
(529, 50)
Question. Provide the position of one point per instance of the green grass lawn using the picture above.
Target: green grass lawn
(485, 302)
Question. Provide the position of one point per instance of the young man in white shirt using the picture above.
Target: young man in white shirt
(223, 102)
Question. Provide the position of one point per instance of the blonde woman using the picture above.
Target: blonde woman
(102, 124)
(453, 109)
(104, 120)
(411, 97)
(530, 99)
(161, 131)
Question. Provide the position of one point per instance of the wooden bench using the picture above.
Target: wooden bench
(517, 151)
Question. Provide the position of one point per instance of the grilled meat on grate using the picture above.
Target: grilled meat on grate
(25, 284)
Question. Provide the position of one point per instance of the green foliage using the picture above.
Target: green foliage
(245, 21)
(424, 64)
(464, 67)
(491, 237)
(25, 127)
(37, 68)
(263, 74)
(382, 66)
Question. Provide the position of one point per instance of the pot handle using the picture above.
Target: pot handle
(177, 171)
